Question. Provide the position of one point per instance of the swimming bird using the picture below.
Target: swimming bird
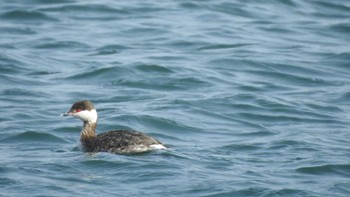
(117, 141)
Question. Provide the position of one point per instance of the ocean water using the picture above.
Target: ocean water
(251, 97)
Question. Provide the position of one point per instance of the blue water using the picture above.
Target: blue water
(251, 97)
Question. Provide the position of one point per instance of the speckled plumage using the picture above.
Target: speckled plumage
(118, 141)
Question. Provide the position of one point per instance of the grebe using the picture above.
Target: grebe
(118, 141)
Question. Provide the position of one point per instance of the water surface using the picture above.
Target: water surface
(252, 98)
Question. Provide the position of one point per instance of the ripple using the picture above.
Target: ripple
(259, 191)
(223, 46)
(161, 84)
(259, 134)
(96, 73)
(23, 92)
(53, 1)
(110, 49)
(61, 45)
(24, 15)
(343, 28)
(86, 8)
(11, 65)
(332, 7)
(153, 68)
(7, 181)
(338, 62)
(241, 147)
(330, 169)
(234, 9)
(288, 78)
(90, 12)
(32, 137)
(100, 163)
(17, 30)
(284, 143)
(341, 188)
(190, 5)
(187, 45)
(160, 124)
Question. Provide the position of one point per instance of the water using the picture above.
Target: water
(252, 98)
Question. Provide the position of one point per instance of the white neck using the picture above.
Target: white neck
(87, 116)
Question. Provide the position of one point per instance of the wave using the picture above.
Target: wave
(110, 49)
(224, 46)
(261, 191)
(61, 45)
(17, 30)
(329, 169)
(92, 8)
(25, 15)
(160, 83)
(107, 72)
(32, 137)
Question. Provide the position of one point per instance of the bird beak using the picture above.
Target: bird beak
(67, 114)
